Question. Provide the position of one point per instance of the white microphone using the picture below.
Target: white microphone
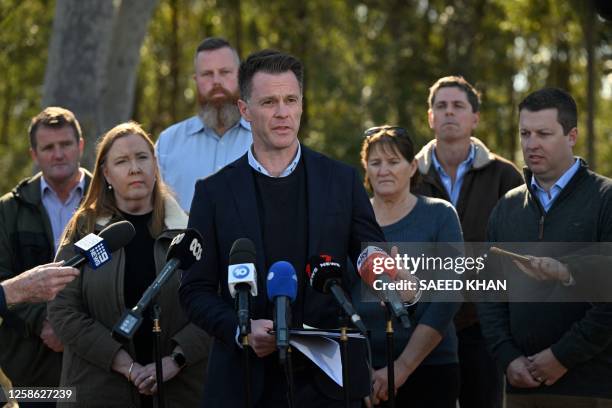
(242, 279)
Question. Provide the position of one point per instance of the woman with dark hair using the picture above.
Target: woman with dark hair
(126, 186)
(426, 363)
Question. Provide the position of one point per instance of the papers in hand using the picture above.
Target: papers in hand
(321, 349)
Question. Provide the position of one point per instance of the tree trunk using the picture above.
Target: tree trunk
(119, 80)
(93, 57)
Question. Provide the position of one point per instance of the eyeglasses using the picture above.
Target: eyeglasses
(398, 130)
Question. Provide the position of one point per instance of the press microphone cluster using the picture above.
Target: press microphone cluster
(96, 249)
(365, 268)
(325, 276)
(242, 280)
(185, 249)
(282, 291)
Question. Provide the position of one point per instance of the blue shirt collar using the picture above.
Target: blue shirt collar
(467, 163)
(261, 169)
(562, 181)
(44, 186)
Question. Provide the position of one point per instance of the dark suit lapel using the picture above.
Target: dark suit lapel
(242, 185)
(317, 187)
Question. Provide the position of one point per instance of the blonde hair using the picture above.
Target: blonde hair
(100, 201)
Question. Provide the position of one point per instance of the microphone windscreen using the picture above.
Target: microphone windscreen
(242, 252)
(372, 262)
(282, 281)
(186, 247)
(321, 271)
(117, 235)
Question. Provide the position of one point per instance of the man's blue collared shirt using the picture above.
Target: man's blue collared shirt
(454, 189)
(60, 212)
(548, 197)
(189, 150)
(261, 169)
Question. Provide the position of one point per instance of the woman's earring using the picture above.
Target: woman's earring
(110, 187)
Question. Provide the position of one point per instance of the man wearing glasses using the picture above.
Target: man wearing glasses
(459, 168)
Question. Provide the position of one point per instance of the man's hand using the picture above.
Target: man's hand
(39, 284)
(49, 338)
(545, 367)
(262, 342)
(544, 268)
(518, 374)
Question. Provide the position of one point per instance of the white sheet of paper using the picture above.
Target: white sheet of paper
(324, 352)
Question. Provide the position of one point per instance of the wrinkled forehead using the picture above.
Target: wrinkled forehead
(450, 93)
(264, 84)
(215, 59)
(544, 118)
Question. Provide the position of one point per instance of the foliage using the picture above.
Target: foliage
(368, 62)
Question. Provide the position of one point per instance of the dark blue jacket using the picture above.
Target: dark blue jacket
(224, 209)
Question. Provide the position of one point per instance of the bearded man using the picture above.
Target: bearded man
(203, 144)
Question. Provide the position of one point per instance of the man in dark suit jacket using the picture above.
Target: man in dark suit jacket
(293, 203)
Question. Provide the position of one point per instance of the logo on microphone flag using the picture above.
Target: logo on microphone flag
(94, 249)
(240, 272)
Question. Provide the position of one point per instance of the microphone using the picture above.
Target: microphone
(96, 249)
(325, 276)
(242, 279)
(185, 249)
(366, 269)
(282, 290)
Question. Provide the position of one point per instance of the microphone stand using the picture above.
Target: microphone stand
(158, 358)
(344, 357)
(247, 367)
(390, 359)
(287, 363)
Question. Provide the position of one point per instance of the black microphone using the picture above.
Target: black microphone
(242, 279)
(325, 276)
(114, 236)
(185, 249)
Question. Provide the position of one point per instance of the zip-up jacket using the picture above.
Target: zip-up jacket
(579, 334)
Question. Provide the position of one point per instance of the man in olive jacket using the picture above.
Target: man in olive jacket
(32, 219)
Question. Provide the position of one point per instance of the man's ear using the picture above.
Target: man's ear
(244, 110)
(572, 137)
(34, 156)
(430, 118)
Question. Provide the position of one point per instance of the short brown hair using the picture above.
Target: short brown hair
(54, 117)
(393, 138)
(553, 98)
(455, 81)
(270, 62)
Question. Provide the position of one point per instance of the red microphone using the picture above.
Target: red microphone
(374, 264)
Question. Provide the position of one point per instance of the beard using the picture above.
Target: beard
(219, 113)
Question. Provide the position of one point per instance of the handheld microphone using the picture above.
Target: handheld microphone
(365, 268)
(96, 249)
(185, 249)
(282, 290)
(325, 276)
(242, 279)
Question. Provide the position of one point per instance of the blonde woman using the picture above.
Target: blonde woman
(126, 186)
